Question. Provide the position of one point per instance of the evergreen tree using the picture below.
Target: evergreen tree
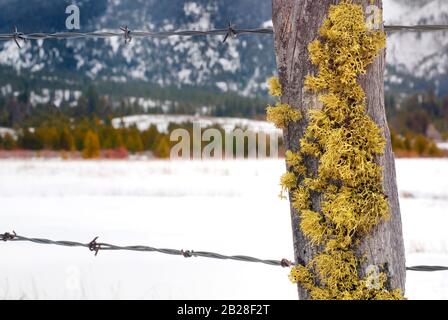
(91, 145)
(51, 138)
(150, 137)
(118, 141)
(134, 142)
(421, 144)
(407, 142)
(79, 135)
(434, 151)
(66, 140)
(106, 134)
(30, 141)
(163, 148)
(8, 142)
(92, 101)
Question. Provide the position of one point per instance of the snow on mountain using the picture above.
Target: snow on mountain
(421, 54)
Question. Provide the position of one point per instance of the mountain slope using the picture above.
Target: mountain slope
(415, 60)
(240, 65)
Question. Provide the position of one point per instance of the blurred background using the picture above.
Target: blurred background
(101, 100)
(47, 84)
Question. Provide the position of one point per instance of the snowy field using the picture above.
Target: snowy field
(227, 207)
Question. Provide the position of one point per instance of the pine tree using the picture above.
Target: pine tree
(118, 141)
(407, 143)
(434, 151)
(163, 148)
(9, 142)
(134, 142)
(138, 142)
(92, 101)
(66, 140)
(150, 137)
(30, 141)
(421, 144)
(91, 146)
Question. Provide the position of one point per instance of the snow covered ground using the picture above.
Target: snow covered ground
(228, 207)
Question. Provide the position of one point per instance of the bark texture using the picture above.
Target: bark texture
(296, 24)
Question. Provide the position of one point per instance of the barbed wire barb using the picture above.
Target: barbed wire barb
(18, 36)
(94, 246)
(8, 236)
(127, 34)
(231, 33)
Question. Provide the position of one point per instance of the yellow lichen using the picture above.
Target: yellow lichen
(346, 142)
(303, 275)
(339, 279)
(287, 182)
(301, 199)
(309, 148)
(295, 162)
(282, 114)
(275, 89)
(313, 226)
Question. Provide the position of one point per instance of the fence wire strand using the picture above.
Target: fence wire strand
(99, 246)
(128, 34)
(96, 247)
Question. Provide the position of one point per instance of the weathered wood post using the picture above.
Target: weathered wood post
(296, 25)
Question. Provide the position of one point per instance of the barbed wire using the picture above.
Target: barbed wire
(416, 28)
(96, 247)
(427, 268)
(127, 34)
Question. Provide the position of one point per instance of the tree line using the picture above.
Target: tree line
(417, 122)
(89, 137)
(95, 138)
